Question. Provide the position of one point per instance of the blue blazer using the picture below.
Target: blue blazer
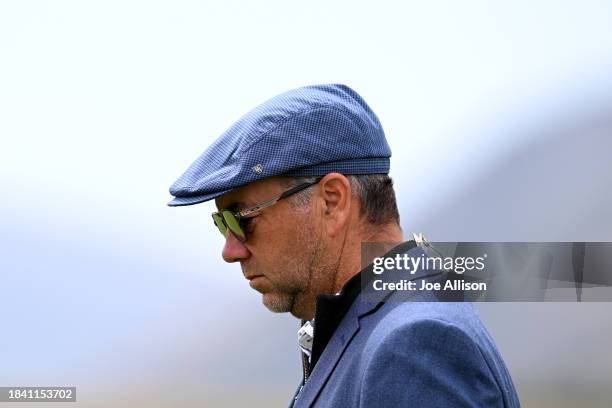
(419, 353)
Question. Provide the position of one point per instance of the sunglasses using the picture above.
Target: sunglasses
(227, 220)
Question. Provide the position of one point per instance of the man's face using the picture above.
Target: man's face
(281, 254)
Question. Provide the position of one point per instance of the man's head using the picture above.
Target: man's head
(304, 245)
(307, 243)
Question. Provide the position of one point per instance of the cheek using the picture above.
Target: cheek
(281, 245)
(274, 232)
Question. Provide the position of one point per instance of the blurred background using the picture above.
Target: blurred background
(499, 116)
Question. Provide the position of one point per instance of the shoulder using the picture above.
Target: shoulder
(414, 348)
(420, 319)
(409, 326)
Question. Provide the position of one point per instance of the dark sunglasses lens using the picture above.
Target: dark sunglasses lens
(220, 224)
(233, 225)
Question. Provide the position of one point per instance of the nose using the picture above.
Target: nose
(234, 250)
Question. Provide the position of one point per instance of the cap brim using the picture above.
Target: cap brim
(191, 200)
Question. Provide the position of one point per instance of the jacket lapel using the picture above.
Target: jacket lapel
(343, 335)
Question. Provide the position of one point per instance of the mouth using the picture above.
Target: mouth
(256, 281)
(249, 272)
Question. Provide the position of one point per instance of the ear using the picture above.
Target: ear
(335, 191)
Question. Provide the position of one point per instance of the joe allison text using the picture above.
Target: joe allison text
(405, 284)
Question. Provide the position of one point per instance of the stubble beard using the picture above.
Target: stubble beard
(296, 297)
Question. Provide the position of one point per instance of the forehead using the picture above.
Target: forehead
(249, 195)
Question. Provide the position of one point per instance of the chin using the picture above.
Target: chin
(277, 303)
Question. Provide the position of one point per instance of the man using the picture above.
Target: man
(300, 182)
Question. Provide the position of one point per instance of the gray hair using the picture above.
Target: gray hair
(374, 191)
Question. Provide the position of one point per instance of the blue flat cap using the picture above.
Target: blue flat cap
(309, 131)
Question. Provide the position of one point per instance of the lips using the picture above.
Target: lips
(248, 270)
(256, 282)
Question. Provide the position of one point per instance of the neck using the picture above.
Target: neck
(347, 260)
(350, 259)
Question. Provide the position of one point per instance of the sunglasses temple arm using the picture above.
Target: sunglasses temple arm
(298, 188)
(246, 213)
(242, 214)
